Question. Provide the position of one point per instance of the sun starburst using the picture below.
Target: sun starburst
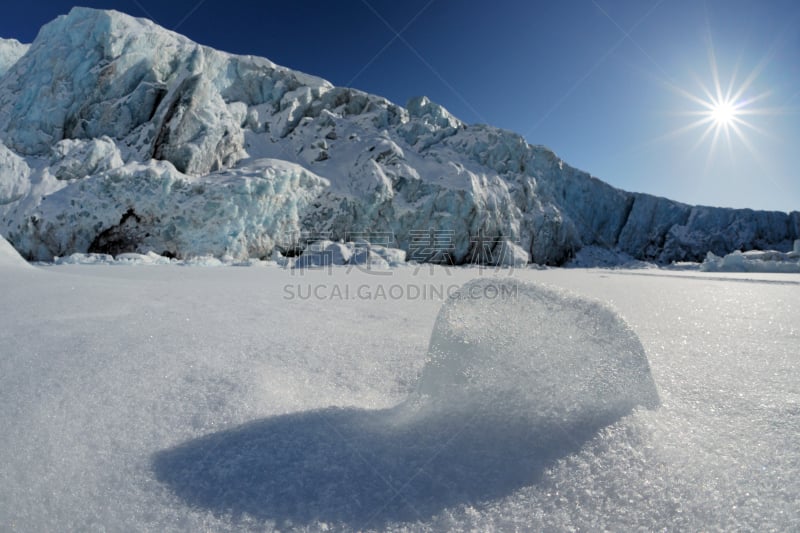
(724, 112)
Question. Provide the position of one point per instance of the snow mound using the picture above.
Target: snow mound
(755, 261)
(519, 349)
(9, 257)
(513, 385)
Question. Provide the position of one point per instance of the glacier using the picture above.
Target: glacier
(119, 136)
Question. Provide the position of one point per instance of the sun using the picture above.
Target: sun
(723, 113)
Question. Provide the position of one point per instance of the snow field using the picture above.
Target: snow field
(113, 378)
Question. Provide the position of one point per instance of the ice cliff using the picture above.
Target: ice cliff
(117, 135)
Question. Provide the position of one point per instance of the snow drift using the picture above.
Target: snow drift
(9, 257)
(518, 377)
(119, 136)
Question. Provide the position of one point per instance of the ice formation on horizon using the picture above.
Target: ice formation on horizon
(755, 261)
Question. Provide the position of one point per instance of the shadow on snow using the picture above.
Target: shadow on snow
(366, 468)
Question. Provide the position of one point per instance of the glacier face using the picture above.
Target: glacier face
(117, 135)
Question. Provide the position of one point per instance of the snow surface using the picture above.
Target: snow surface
(105, 115)
(186, 399)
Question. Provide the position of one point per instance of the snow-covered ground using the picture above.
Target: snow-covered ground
(166, 398)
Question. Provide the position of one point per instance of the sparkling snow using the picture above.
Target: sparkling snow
(171, 398)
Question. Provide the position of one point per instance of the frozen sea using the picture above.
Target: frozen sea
(174, 398)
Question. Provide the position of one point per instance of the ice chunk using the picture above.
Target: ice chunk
(754, 261)
(203, 261)
(323, 254)
(279, 258)
(393, 256)
(528, 351)
(364, 256)
(797, 246)
(85, 259)
(340, 253)
(150, 258)
(14, 176)
(75, 159)
(509, 254)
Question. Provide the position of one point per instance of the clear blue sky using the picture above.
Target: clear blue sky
(597, 81)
